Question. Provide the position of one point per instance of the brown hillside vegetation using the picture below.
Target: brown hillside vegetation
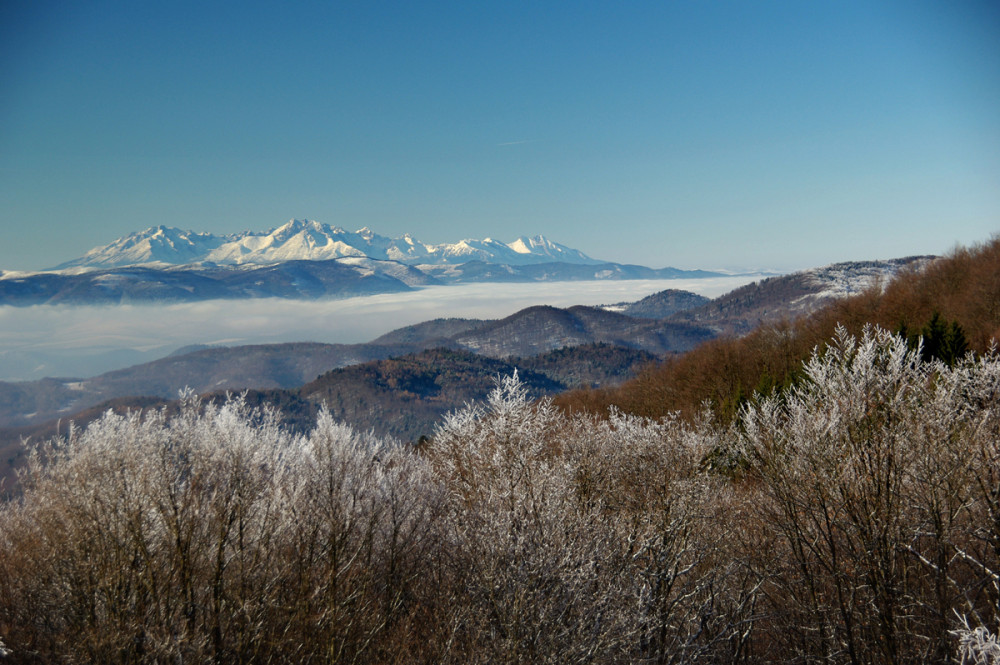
(962, 288)
(794, 295)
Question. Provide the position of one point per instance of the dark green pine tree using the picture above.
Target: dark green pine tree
(934, 334)
(955, 344)
(943, 341)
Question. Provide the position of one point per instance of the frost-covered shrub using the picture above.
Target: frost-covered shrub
(585, 540)
(213, 535)
(877, 476)
(976, 646)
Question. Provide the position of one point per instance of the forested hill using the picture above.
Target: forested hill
(406, 397)
(531, 331)
(950, 301)
(794, 295)
(403, 396)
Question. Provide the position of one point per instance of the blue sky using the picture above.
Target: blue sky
(693, 134)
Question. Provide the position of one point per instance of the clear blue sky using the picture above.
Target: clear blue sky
(697, 134)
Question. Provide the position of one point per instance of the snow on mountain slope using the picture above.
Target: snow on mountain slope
(313, 241)
(542, 246)
(796, 294)
(296, 240)
(839, 280)
(159, 244)
(407, 274)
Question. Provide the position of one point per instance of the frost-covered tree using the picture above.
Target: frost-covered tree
(214, 535)
(850, 518)
(536, 565)
(144, 535)
(976, 646)
(878, 477)
(588, 540)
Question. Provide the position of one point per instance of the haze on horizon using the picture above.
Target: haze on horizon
(772, 134)
(82, 341)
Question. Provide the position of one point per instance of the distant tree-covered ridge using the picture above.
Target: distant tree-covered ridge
(406, 396)
(950, 304)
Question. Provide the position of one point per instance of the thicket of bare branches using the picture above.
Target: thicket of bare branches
(878, 480)
(852, 518)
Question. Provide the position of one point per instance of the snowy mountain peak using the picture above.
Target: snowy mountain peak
(525, 245)
(301, 226)
(304, 239)
(541, 246)
(157, 244)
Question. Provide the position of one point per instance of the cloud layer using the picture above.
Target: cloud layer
(49, 340)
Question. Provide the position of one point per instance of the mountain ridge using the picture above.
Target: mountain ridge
(279, 374)
(652, 325)
(265, 366)
(303, 239)
(302, 259)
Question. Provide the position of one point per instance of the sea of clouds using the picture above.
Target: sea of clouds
(81, 341)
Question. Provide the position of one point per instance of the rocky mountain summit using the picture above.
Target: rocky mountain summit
(302, 259)
(308, 240)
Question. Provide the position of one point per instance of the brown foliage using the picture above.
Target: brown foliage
(963, 287)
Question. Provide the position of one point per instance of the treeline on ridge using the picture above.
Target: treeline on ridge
(957, 293)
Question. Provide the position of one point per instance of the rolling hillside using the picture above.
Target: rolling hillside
(529, 332)
(960, 291)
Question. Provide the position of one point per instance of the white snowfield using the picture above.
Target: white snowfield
(313, 241)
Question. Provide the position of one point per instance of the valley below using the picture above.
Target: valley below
(392, 364)
(86, 340)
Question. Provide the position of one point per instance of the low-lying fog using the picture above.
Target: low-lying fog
(81, 341)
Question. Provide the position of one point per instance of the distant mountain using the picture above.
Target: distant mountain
(296, 279)
(291, 279)
(437, 332)
(301, 259)
(793, 295)
(307, 240)
(481, 271)
(659, 305)
(541, 329)
(217, 368)
(403, 396)
(530, 332)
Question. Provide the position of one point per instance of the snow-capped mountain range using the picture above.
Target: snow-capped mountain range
(309, 240)
(301, 259)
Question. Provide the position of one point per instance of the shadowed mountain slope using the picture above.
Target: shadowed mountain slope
(291, 279)
(528, 332)
(543, 328)
(660, 305)
(406, 396)
(218, 368)
(402, 397)
(790, 296)
(962, 289)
